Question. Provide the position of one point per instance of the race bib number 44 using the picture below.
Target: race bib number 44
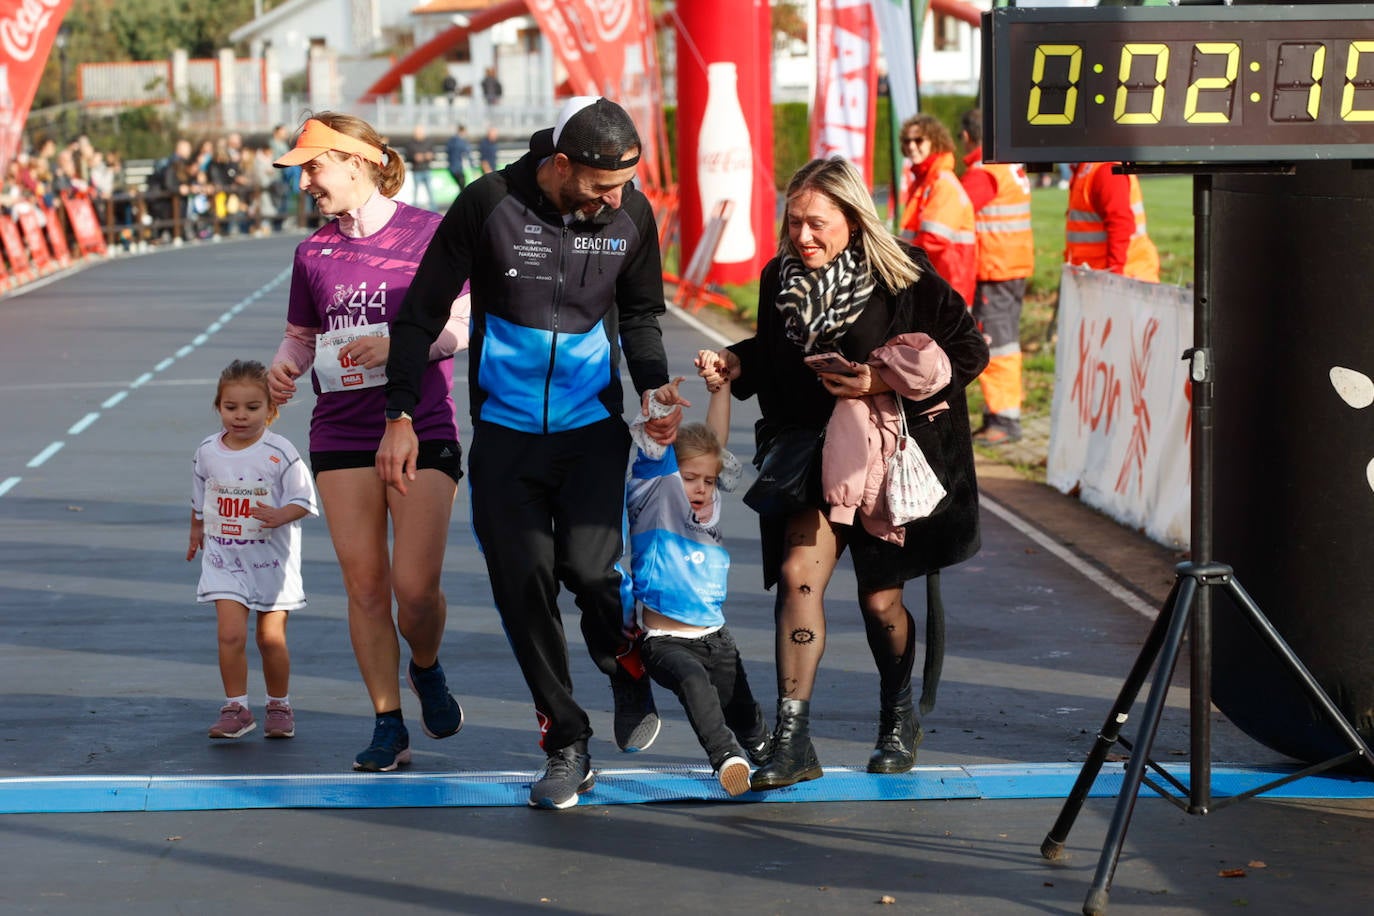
(337, 372)
(228, 510)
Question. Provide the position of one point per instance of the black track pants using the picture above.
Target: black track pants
(549, 509)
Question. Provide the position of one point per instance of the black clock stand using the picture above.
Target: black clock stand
(1187, 610)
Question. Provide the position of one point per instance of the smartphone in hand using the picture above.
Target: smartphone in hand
(831, 362)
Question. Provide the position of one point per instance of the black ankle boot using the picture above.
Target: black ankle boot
(898, 735)
(794, 758)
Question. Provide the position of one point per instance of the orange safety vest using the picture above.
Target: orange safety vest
(1085, 234)
(939, 218)
(1006, 245)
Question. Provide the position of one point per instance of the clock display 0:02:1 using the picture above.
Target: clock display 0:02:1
(1142, 83)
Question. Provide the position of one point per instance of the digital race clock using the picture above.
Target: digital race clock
(1178, 84)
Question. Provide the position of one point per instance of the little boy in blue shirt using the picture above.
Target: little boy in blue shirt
(679, 569)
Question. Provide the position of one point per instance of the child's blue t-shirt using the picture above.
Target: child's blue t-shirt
(678, 566)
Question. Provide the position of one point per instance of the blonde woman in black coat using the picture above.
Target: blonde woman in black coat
(842, 283)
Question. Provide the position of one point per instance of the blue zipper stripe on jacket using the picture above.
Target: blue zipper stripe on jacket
(519, 366)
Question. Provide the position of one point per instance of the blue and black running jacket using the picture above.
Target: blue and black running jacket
(552, 304)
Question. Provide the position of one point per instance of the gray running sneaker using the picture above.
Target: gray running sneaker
(636, 718)
(566, 774)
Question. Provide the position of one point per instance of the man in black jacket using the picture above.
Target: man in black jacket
(562, 256)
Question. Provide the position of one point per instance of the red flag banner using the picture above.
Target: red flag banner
(567, 46)
(57, 238)
(34, 240)
(27, 29)
(846, 83)
(90, 238)
(15, 253)
(603, 29)
(607, 47)
(617, 41)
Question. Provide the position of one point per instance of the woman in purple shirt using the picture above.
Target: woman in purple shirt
(347, 283)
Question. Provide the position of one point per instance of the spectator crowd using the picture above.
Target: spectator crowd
(223, 186)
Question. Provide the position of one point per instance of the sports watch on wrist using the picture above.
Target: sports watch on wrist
(395, 413)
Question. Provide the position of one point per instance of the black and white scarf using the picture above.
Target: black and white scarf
(818, 306)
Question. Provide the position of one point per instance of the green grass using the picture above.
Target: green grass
(1168, 214)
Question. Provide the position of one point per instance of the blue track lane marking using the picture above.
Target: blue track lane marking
(90, 794)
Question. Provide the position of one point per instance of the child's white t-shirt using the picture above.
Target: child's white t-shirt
(261, 572)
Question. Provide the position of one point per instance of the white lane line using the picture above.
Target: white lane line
(144, 379)
(699, 325)
(52, 449)
(81, 424)
(1086, 570)
(108, 383)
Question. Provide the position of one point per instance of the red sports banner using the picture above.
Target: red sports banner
(34, 240)
(90, 238)
(846, 83)
(27, 29)
(57, 238)
(567, 46)
(603, 29)
(607, 47)
(618, 43)
(15, 252)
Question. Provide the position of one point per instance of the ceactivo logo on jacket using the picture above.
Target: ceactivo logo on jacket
(600, 244)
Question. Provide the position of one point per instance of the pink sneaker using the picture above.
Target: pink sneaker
(235, 721)
(280, 720)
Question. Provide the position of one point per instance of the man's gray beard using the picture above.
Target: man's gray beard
(582, 216)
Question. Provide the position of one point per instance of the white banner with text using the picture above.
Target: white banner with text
(1120, 423)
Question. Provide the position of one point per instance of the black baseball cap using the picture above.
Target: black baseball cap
(592, 131)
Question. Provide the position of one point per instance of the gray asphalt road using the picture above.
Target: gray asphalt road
(107, 668)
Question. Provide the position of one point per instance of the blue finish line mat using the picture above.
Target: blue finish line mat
(90, 794)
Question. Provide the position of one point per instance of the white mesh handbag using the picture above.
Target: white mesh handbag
(913, 491)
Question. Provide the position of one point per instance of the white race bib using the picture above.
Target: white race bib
(228, 510)
(338, 373)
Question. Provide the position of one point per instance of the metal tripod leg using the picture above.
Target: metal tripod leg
(1313, 689)
(1111, 729)
(1185, 592)
(1184, 607)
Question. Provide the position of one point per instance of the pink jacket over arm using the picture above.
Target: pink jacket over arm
(862, 432)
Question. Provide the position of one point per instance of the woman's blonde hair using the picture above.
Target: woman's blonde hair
(388, 177)
(839, 181)
(695, 439)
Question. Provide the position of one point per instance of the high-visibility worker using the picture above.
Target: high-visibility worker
(1000, 194)
(938, 215)
(1106, 228)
